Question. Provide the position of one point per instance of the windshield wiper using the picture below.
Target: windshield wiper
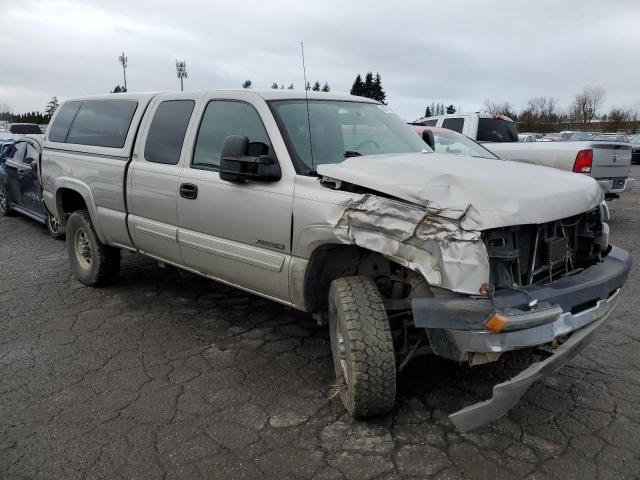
(351, 153)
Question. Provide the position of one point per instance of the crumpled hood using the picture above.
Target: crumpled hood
(482, 193)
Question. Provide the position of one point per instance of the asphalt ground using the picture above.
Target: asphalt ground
(169, 375)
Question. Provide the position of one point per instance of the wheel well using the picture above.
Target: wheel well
(332, 261)
(69, 201)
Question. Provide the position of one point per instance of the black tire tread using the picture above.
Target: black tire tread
(107, 259)
(372, 357)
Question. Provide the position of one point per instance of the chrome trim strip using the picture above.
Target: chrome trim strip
(484, 341)
(231, 250)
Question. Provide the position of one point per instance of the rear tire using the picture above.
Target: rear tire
(5, 210)
(55, 229)
(94, 263)
(362, 347)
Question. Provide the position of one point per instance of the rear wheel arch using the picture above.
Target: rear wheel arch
(70, 199)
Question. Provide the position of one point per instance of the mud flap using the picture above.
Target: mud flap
(507, 394)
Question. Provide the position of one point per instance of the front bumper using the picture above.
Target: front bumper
(616, 185)
(572, 305)
(507, 394)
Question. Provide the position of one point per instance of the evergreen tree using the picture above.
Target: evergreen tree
(246, 84)
(282, 86)
(433, 109)
(316, 86)
(358, 87)
(275, 86)
(427, 113)
(325, 87)
(290, 87)
(118, 89)
(52, 106)
(451, 109)
(379, 93)
(308, 86)
(368, 85)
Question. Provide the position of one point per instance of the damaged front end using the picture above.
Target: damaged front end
(491, 291)
(551, 285)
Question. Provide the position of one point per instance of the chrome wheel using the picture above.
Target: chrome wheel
(4, 200)
(53, 224)
(82, 248)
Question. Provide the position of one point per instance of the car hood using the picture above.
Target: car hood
(480, 193)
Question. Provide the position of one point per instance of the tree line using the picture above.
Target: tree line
(543, 114)
(316, 87)
(7, 115)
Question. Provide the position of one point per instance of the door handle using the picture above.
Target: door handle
(189, 191)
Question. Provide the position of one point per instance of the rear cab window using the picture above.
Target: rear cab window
(455, 124)
(496, 130)
(167, 131)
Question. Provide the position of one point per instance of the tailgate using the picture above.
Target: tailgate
(611, 160)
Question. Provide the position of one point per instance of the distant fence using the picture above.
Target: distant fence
(599, 126)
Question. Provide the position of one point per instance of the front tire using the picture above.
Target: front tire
(362, 347)
(94, 263)
(55, 229)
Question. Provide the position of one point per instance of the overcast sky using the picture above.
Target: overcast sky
(459, 52)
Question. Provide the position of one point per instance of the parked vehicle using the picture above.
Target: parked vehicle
(443, 140)
(635, 153)
(611, 137)
(553, 137)
(24, 128)
(607, 162)
(526, 138)
(334, 206)
(20, 188)
(580, 136)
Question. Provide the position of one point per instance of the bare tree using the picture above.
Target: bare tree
(587, 103)
(504, 108)
(618, 117)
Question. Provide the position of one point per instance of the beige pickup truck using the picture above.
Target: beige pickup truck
(332, 205)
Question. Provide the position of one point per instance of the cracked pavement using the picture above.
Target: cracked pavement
(169, 375)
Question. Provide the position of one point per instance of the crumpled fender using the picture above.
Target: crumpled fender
(442, 245)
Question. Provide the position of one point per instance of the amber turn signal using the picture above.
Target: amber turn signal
(496, 323)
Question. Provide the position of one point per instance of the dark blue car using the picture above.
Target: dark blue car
(20, 188)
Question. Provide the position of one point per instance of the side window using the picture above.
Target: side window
(102, 123)
(17, 151)
(430, 123)
(60, 128)
(455, 124)
(32, 154)
(167, 131)
(221, 119)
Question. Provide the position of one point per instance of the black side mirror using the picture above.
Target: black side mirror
(428, 138)
(238, 165)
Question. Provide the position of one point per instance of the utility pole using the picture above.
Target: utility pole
(181, 69)
(123, 61)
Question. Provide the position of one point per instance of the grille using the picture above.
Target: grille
(537, 254)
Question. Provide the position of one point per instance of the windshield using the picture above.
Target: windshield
(496, 130)
(453, 143)
(342, 129)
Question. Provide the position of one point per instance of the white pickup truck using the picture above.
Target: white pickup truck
(607, 162)
(334, 206)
